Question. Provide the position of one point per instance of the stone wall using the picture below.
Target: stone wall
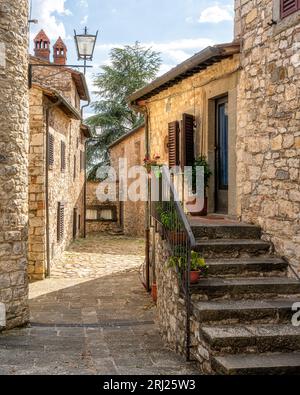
(171, 310)
(13, 160)
(93, 202)
(268, 142)
(131, 148)
(63, 186)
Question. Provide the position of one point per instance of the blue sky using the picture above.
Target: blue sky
(176, 28)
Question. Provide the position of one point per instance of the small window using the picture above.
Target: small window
(102, 214)
(92, 215)
(288, 7)
(106, 215)
(50, 150)
(60, 221)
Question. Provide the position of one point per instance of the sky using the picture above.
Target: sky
(176, 28)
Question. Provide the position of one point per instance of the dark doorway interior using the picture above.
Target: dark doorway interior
(222, 171)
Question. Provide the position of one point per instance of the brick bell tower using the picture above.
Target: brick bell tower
(60, 52)
(42, 46)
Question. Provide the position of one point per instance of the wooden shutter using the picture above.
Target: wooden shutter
(60, 221)
(63, 156)
(288, 7)
(75, 167)
(187, 141)
(173, 144)
(50, 150)
(81, 160)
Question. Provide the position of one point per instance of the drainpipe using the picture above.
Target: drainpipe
(147, 221)
(85, 178)
(144, 110)
(51, 106)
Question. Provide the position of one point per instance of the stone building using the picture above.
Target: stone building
(56, 157)
(127, 217)
(13, 162)
(238, 105)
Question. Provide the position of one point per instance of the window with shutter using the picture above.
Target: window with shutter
(288, 7)
(50, 150)
(173, 144)
(63, 156)
(75, 167)
(187, 141)
(60, 221)
(81, 160)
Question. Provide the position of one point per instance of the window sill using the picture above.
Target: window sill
(286, 23)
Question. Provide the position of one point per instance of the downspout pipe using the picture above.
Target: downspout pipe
(144, 110)
(48, 109)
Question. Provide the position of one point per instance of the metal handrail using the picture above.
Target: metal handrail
(178, 206)
(181, 242)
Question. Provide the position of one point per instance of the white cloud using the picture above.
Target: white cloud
(44, 11)
(84, 20)
(178, 50)
(217, 14)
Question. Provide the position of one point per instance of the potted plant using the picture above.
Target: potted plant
(170, 222)
(201, 162)
(199, 267)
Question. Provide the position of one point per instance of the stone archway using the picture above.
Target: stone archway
(13, 161)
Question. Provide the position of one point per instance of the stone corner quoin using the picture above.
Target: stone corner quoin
(13, 162)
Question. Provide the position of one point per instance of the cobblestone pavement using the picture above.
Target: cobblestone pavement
(92, 317)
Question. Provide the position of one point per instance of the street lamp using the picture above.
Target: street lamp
(85, 44)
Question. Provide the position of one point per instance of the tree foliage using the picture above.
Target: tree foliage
(130, 68)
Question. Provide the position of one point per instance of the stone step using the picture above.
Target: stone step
(252, 338)
(245, 311)
(261, 364)
(221, 231)
(251, 288)
(247, 266)
(232, 248)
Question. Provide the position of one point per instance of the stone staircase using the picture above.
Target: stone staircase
(243, 310)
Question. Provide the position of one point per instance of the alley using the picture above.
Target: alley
(92, 317)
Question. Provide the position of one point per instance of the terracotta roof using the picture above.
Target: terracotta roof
(60, 44)
(77, 76)
(129, 134)
(56, 97)
(42, 36)
(195, 64)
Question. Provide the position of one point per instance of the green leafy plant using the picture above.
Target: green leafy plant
(198, 263)
(202, 162)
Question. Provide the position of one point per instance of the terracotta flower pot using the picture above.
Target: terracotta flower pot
(177, 238)
(154, 292)
(194, 277)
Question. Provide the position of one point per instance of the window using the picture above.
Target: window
(50, 150)
(63, 156)
(288, 7)
(102, 214)
(92, 215)
(60, 221)
(173, 144)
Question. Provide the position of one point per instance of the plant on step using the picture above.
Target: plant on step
(198, 266)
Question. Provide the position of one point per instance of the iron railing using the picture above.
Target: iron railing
(171, 222)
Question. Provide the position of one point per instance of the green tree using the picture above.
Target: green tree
(130, 69)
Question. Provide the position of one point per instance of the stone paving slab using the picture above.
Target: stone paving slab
(92, 322)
